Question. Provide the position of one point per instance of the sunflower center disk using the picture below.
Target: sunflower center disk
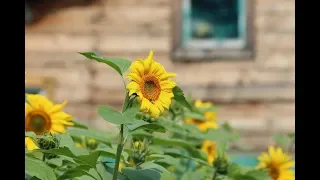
(37, 122)
(151, 88)
(274, 173)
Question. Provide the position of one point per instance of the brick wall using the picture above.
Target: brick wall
(130, 28)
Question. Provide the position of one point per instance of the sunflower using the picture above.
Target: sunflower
(42, 115)
(150, 81)
(210, 148)
(277, 163)
(210, 116)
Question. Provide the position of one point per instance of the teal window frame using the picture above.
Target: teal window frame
(186, 48)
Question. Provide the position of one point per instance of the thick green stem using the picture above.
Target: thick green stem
(214, 175)
(119, 151)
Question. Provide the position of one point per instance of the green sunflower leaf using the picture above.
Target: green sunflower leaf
(179, 97)
(92, 133)
(195, 115)
(27, 101)
(78, 124)
(112, 116)
(140, 124)
(39, 169)
(118, 64)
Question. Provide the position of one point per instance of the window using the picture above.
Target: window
(213, 29)
(35, 10)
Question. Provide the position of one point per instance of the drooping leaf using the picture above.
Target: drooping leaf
(259, 174)
(103, 172)
(118, 64)
(30, 134)
(27, 101)
(195, 115)
(177, 154)
(192, 175)
(220, 136)
(134, 174)
(163, 159)
(93, 133)
(179, 97)
(166, 141)
(140, 124)
(283, 141)
(78, 124)
(39, 169)
(112, 116)
(132, 108)
(76, 172)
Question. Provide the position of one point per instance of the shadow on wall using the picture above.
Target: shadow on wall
(35, 10)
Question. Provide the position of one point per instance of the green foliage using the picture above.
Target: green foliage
(162, 148)
(179, 97)
(118, 64)
(38, 168)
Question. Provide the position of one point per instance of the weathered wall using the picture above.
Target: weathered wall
(130, 28)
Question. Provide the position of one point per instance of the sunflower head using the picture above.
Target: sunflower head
(150, 81)
(42, 115)
(210, 116)
(277, 163)
(210, 149)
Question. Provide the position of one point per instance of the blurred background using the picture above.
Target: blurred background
(239, 54)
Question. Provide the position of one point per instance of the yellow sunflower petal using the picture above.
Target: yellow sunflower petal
(147, 63)
(137, 68)
(30, 145)
(272, 151)
(165, 99)
(287, 165)
(167, 84)
(58, 128)
(166, 76)
(145, 104)
(154, 111)
(134, 77)
(58, 107)
(133, 87)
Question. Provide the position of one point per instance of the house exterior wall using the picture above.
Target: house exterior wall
(255, 95)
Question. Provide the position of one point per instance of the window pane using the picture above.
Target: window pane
(215, 19)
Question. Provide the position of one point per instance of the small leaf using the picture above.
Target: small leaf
(27, 101)
(220, 136)
(195, 115)
(132, 109)
(179, 97)
(112, 116)
(94, 134)
(30, 134)
(176, 153)
(76, 172)
(103, 172)
(163, 159)
(193, 175)
(78, 124)
(39, 169)
(258, 174)
(140, 124)
(118, 64)
(282, 141)
(134, 174)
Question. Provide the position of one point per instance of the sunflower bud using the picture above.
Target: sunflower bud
(221, 163)
(91, 144)
(140, 151)
(47, 142)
